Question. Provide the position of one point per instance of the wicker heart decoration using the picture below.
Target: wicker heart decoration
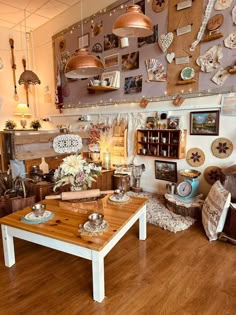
(165, 41)
(170, 57)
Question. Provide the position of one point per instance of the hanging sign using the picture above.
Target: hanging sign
(184, 30)
(182, 60)
(184, 5)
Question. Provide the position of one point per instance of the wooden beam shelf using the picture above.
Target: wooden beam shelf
(101, 88)
(185, 82)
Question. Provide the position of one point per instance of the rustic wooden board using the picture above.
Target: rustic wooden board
(181, 44)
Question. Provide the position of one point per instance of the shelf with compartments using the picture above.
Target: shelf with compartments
(163, 143)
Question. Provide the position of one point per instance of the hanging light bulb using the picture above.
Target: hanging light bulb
(133, 23)
(83, 64)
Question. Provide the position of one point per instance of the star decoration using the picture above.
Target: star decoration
(195, 157)
(214, 175)
(222, 147)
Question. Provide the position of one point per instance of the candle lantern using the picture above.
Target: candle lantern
(106, 160)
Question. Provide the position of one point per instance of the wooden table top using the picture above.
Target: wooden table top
(65, 223)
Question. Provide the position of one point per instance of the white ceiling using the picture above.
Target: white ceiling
(20, 15)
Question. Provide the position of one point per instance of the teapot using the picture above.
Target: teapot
(171, 188)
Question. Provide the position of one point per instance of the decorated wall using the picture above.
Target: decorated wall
(190, 53)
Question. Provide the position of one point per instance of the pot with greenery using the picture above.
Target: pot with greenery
(35, 124)
(10, 124)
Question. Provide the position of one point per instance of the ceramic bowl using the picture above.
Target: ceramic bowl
(38, 209)
(95, 219)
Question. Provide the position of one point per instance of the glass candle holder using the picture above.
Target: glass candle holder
(106, 160)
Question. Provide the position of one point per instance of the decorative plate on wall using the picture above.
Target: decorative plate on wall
(222, 148)
(187, 73)
(195, 157)
(212, 174)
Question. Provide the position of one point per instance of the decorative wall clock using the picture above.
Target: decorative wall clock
(195, 157)
(159, 5)
(222, 148)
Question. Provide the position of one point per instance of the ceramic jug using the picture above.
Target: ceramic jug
(171, 188)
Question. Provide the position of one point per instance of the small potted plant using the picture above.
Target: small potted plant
(10, 124)
(35, 124)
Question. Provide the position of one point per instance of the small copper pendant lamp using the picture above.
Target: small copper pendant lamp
(133, 23)
(83, 65)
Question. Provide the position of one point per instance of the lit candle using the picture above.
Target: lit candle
(106, 160)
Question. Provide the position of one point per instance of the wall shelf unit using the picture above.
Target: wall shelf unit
(163, 143)
(102, 88)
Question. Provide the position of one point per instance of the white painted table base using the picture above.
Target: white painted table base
(97, 257)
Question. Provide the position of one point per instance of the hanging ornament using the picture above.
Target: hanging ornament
(165, 40)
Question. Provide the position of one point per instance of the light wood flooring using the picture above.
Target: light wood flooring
(169, 273)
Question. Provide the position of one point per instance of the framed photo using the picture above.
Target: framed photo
(130, 61)
(133, 84)
(111, 41)
(112, 78)
(173, 122)
(111, 61)
(165, 170)
(83, 41)
(205, 123)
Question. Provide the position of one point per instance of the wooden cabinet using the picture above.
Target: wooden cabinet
(104, 182)
(163, 143)
(30, 145)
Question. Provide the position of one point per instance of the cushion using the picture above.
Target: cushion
(215, 210)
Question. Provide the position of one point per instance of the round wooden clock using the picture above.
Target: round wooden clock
(215, 22)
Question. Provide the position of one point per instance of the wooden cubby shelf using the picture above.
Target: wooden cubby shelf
(163, 143)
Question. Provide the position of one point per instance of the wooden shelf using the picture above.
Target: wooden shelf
(232, 70)
(184, 82)
(150, 143)
(102, 88)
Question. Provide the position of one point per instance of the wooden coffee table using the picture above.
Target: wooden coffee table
(62, 233)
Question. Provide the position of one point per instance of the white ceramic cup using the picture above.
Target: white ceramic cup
(124, 42)
(104, 83)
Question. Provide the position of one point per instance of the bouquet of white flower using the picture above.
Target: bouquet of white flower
(77, 172)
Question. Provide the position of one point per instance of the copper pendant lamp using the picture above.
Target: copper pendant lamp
(133, 23)
(83, 65)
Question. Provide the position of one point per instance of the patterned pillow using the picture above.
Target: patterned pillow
(215, 210)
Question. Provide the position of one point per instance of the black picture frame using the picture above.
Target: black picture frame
(205, 123)
(165, 170)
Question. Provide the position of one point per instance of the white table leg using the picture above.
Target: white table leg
(8, 247)
(98, 276)
(143, 225)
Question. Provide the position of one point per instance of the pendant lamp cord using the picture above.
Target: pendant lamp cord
(82, 26)
(27, 54)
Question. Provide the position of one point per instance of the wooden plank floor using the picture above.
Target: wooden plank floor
(168, 273)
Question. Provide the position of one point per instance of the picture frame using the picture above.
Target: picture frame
(165, 170)
(112, 78)
(130, 61)
(111, 61)
(204, 123)
(83, 41)
(173, 122)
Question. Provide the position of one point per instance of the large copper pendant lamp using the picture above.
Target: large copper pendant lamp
(133, 23)
(83, 65)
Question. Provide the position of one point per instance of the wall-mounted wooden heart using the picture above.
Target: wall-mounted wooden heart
(165, 41)
(170, 57)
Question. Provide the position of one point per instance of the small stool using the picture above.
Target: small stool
(191, 208)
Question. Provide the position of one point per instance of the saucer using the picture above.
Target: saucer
(30, 218)
(100, 228)
(125, 198)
